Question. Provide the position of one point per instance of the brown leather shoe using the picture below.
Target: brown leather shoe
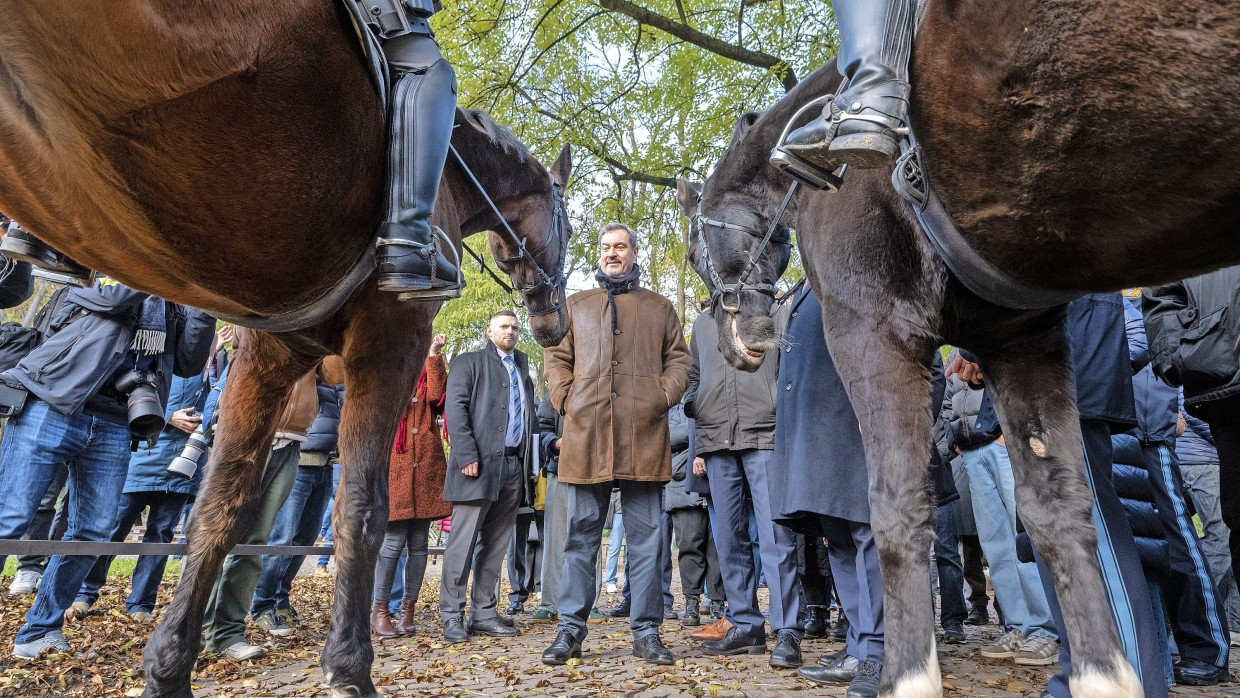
(381, 622)
(714, 631)
(406, 627)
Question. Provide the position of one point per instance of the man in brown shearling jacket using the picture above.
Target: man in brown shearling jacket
(614, 376)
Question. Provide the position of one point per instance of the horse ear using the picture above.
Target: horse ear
(688, 193)
(746, 121)
(563, 165)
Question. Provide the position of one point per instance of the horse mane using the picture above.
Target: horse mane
(497, 134)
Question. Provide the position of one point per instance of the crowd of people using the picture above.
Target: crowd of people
(671, 449)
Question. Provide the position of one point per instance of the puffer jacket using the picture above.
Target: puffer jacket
(1194, 330)
(1196, 444)
(1136, 493)
(958, 424)
(324, 433)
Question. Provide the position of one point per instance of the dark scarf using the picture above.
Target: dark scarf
(152, 332)
(615, 287)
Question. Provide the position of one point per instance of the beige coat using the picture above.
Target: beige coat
(614, 389)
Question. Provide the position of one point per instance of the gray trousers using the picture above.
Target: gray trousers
(587, 510)
(1201, 482)
(555, 531)
(490, 524)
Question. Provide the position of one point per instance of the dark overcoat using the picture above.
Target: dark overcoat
(819, 466)
(476, 413)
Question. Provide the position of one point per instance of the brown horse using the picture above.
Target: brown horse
(229, 155)
(1042, 126)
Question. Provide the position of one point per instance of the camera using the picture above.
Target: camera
(186, 464)
(146, 411)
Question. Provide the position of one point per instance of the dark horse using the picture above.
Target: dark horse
(1080, 146)
(229, 155)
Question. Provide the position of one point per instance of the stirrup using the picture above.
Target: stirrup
(798, 168)
(440, 293)
(50, 264)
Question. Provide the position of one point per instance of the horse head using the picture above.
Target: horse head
(529, 237)
(739, 243)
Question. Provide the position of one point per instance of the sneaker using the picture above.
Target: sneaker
(54, 640)
(1038, 650)
(77, 609)
(289, 615)
(269, 621)
(953, 632)
(26, 582)
(321, 572)
(142, 616)
(1005, 647)
(596, 616)
(543, 615)
(611, 588)
(243, 651)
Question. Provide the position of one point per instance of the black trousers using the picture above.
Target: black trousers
(699, 563)
(815, 569)
(1223, 416)
(974, 571)
(525, 557)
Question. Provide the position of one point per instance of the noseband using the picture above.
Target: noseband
(729, 295)
(559, 232)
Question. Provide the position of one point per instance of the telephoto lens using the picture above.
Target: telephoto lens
(186, 464)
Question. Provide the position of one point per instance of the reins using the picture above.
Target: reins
(559, 229)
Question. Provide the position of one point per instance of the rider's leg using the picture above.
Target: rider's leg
(863, 127)
(423, 110)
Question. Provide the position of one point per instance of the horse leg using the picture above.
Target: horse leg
(259, 381)
(382, 359)
(1034, 398)
(887, 380)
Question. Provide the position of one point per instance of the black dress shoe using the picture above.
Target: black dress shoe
(516, 607)
(977, 616)
(454, 631)
(621, 611)
(563, 649)
(842, 670)
(953, 633)
(737, 641)
(506, 620)
(839, 631)
(787, 652)
(669, 613)
(493, 627)
(1194, 672)
(865, 683)
(651, 649)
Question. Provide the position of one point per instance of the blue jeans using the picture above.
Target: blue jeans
(951, 571)
(165, 511)
(326, 530)
(611, 573)
(96, 451)
(297, 523)
(729, 474)
(1018, 588)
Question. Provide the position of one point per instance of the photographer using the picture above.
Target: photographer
(74, 415)
(150, 486)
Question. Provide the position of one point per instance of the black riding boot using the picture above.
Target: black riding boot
(423, 110)
(20, 245)
(862, 127)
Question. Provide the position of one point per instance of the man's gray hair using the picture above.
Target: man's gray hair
(615, 225)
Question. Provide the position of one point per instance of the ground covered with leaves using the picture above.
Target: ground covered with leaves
(107, 658)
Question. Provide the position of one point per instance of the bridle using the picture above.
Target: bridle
(729, 295)
(559, 233)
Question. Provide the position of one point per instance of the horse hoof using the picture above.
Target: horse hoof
(1106, 682)
(926, 683)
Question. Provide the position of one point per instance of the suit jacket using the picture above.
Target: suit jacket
(477, 417)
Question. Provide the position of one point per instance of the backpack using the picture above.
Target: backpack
(18, 340)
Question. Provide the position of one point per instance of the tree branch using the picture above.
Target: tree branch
(704, 41)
